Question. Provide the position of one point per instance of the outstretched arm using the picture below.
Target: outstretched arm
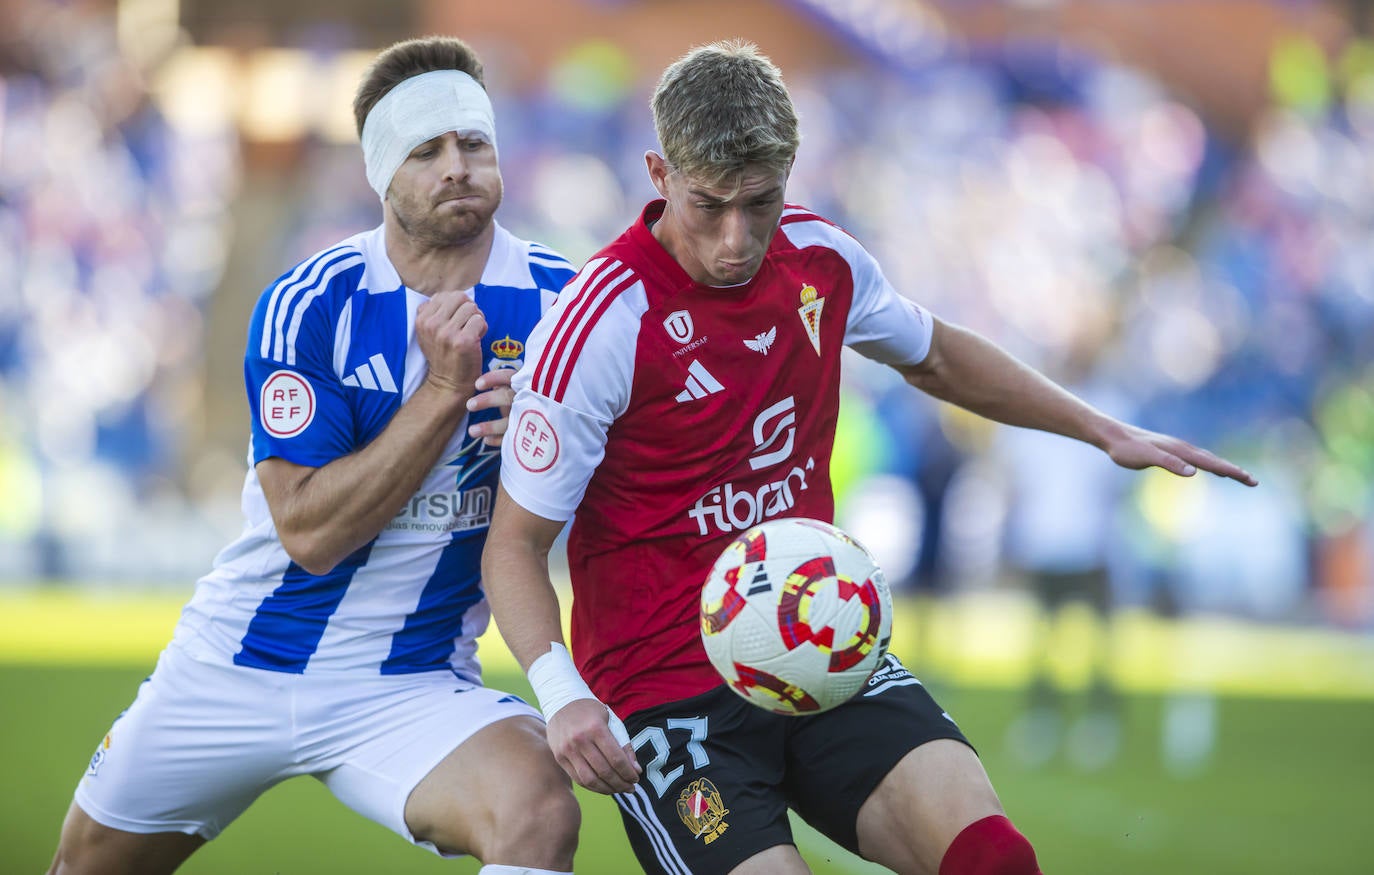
(966, 369)
(515, 575)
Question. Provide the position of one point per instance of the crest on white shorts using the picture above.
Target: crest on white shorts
(99, 756)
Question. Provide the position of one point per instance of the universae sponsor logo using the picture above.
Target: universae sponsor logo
(681, 351)
(679, 326)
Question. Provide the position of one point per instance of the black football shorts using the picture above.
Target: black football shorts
(720, 773)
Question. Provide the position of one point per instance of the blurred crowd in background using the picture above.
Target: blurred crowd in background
(1070, 207)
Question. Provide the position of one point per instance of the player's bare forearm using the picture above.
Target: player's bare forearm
(969, 370)
(515, 576)
(324, 514)
(966, 369)
(582, 731)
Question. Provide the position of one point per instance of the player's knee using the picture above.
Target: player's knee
(87, 848)
(75, 859)
(61, 863)
(546, 816)
(554, 813)
(80, 848)
(990, 846)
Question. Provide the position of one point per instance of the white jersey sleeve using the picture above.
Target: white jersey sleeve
(576, 382)
(883, 325)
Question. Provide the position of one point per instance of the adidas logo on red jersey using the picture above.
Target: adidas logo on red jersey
(700, 383)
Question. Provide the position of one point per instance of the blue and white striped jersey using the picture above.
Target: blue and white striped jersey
(331, 357)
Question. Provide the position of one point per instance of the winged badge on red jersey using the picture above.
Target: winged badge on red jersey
(763, 342)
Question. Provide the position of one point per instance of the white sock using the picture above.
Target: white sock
(493, 869)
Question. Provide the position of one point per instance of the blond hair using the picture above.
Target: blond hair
(721, 108)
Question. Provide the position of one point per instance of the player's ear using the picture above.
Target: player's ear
(658, 169)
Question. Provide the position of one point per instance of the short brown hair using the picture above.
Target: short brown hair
(723, 107)
(409, 58)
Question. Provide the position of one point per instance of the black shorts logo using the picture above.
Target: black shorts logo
(891, 673)
(702, 810)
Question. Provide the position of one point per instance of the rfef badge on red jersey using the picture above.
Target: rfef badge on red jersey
(287, 404)
(810, 312)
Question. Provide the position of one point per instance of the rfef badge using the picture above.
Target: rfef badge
(702, 811)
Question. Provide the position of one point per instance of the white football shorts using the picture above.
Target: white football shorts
(202, 741)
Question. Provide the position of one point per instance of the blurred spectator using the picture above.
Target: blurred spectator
(1028, 191)
(114, 231)
(1063, 539)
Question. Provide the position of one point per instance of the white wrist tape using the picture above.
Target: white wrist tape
(557, 683)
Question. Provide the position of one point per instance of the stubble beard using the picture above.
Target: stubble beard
(433, 231)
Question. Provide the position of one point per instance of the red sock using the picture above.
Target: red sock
(991, 846)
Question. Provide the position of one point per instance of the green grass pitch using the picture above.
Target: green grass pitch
(1290, 788)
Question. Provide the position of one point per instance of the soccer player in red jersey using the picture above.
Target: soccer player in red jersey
(684, 388)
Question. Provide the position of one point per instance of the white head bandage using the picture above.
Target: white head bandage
(418, 110)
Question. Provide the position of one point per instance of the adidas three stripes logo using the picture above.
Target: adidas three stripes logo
(372, 374)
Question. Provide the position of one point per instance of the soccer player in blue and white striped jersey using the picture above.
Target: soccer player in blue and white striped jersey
(336, 637)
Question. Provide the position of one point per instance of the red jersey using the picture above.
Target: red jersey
(671, 416)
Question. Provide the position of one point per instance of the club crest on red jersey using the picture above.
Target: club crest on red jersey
(702, 810)
(679, 326)
(810, 312)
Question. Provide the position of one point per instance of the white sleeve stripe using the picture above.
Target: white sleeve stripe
(378, 362)
(285, 286)
(278, 289)
(301, 306)
(636, 804)
(550, 261)
(343, 338)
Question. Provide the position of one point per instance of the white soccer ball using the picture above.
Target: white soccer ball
(795, 615)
